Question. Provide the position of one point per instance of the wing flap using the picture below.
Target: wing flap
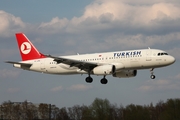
(74, 63)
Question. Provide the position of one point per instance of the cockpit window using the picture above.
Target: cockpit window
(160, 54)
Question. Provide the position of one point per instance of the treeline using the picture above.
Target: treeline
(100, 109)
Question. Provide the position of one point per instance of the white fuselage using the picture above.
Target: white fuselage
(131, 60)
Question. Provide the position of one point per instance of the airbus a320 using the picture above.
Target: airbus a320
(122, 64)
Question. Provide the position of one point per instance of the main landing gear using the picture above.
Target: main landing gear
(89, 79)
(152, 74)
(104, 80)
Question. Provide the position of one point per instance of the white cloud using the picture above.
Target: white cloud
(177, 77)
(147, 2)
(128, 18)
(5, 73)
(54, 25)
(79, 87)
(119, 23)
(135, 14)
(13, 90)
(107, 14)
(159, 85)
(9, 24)
(58, 88)
(76, 87)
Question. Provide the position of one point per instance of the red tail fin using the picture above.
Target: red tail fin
(27, 49)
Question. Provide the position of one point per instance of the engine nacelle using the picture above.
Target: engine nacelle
(104, 70)
(125, 74)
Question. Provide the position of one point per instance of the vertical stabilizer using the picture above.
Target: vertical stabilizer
(27, 49)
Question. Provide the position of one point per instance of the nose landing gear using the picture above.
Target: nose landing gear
(152, 74)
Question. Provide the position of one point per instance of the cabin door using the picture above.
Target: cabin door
(148, 55)
(43, 69)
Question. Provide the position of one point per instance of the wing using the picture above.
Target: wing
(27, 65)
(87, 66)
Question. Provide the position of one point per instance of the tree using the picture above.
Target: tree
(136, 112)
(75, 112)
(54, 112)
(86, 113)
(7, 109)
(160, 106)
(63, 114)
(43, 110)
(100, 109)
(16, 111)
(172, 110)
(28, 111)
(116, 113)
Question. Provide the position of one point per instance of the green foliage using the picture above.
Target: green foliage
(100, 109)
(134, 112)
(171, 110)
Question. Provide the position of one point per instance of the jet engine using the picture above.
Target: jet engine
(104, 70)
(125, 74)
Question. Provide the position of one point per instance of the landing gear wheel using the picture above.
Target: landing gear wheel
(104, 81)
(153, 76)
(89, 79)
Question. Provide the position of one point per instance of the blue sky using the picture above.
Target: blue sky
(38, 11)
(70, 27)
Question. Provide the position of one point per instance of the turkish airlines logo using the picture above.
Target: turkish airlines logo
(25, 47)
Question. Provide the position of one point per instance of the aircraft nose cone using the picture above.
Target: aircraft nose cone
(172, 59)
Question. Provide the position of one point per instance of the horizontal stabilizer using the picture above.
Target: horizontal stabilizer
(28, 65)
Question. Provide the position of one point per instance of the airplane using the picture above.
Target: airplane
(121, 64)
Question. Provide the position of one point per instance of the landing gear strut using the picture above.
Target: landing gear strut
(89, 78)
(152, 74)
